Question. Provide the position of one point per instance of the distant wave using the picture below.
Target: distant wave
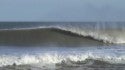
(106, 36)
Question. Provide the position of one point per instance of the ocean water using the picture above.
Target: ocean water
(62, 45)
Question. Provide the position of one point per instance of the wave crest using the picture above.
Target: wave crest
(105, 35)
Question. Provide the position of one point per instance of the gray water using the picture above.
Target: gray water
(62, 45)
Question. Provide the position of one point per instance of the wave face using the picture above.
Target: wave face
(107, 32)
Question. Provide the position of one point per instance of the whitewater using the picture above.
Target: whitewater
(58, 45)
(54, 55)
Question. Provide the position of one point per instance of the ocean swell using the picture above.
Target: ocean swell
(105, 35)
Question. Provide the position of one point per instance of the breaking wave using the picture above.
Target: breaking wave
(108, 35)
(55, 58)
(56, 44)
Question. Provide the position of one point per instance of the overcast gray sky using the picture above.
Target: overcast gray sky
(62, 10)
